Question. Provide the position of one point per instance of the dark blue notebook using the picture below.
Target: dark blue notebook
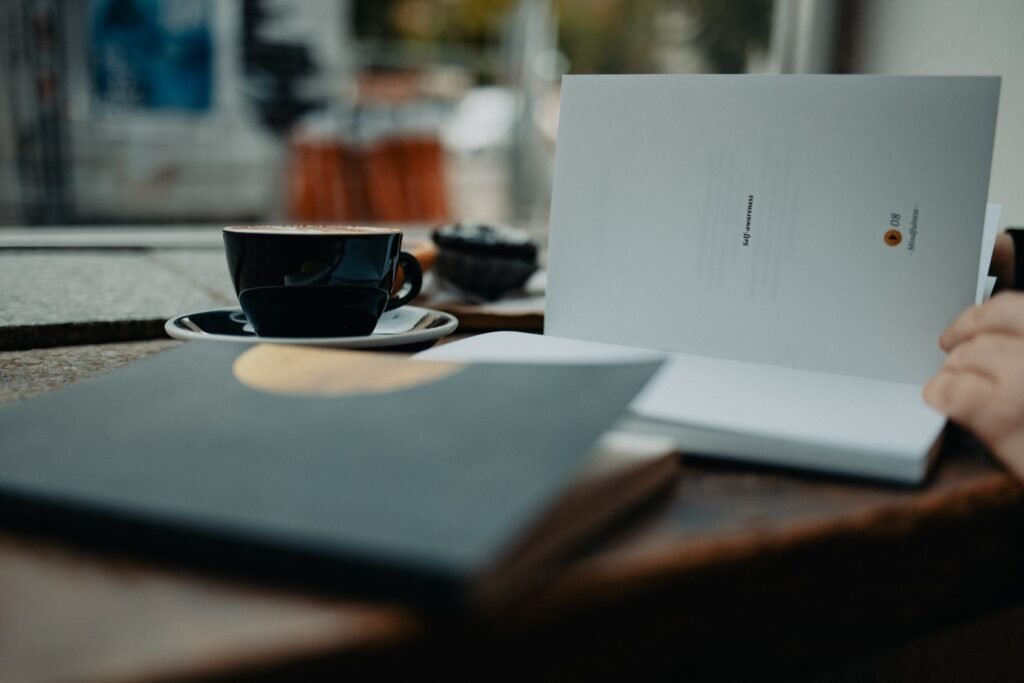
(361, 472)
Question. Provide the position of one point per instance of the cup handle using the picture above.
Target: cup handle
(413, 280)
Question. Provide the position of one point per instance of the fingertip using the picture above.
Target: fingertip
(963, 327)
(932, 392)
(950, 336)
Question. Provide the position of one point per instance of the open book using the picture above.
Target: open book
(793, 245)
(434, 483)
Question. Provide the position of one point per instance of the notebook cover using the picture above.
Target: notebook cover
(408, 492)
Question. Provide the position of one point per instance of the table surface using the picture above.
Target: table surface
(737, 569)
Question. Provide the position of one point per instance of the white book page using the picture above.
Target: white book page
(988, 243)
(799, 406)
(833, 411)
(650, 243)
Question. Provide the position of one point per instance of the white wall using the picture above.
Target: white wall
(956, 37)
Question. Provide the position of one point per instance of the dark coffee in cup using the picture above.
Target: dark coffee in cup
(318, 280)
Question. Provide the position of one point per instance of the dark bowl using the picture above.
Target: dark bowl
(484, 261)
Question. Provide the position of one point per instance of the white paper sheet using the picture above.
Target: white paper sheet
(988, 243)
(656, 176)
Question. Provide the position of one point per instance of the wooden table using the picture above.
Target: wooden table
(740, 569)
(740, 572)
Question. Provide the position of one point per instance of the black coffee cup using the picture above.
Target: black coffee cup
(318, 280)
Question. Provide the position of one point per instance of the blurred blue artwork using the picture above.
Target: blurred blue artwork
(152, 54)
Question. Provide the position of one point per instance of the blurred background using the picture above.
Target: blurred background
(415, 111)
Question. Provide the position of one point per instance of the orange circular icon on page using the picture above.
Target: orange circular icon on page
(893, 238)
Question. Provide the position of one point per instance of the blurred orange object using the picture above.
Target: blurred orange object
(394, 179)
(384, 172)
(325, 182)
(425, 252)
(424, 159)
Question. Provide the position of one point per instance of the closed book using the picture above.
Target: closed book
(432, 483)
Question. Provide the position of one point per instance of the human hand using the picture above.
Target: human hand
(981, 384)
